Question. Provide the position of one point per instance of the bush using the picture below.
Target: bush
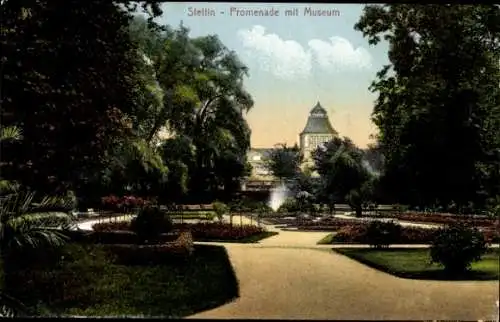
(220, 209)
(150, 223)
(290, 205)
(457, 246)
(381, 234)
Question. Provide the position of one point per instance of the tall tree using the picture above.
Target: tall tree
(343, 173)
(205, 100)
(68, 83)
(284, 162)
(438, 110)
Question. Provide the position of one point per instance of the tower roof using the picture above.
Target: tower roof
(317, 122)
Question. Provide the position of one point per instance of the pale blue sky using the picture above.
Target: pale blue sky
(294, 62)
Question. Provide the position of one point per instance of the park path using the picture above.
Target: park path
(287, 283)
(288, 276)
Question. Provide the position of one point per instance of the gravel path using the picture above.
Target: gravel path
(290, 283)
(288, 276)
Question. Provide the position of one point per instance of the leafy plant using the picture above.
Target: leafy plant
(220, 209)
(381, 234)
(26, 224)
(457, 246)
(150, 223)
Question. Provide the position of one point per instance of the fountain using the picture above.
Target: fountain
(278, 196)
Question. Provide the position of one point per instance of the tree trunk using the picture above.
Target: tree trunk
(359, 211)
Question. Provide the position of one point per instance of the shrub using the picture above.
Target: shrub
(457, 246)
(220, 209)
(290, 205)
(381, 234)
(150, 223)
(350, 234)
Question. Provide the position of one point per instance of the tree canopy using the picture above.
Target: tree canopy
(438, 106)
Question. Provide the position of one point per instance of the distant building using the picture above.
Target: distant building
(317, 131)
(256, 157)
(260, 178)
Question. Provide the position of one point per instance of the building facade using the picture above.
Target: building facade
(318, 130)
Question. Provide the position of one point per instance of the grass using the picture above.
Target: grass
(93, 283)
(245, 240)
(415, 263)
(327, 240)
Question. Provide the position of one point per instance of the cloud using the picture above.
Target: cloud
(287, 59)
(339, 53)
(283, 58)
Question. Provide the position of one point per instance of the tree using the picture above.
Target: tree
(204, 99)
(343, 175)
(438, 109)
(70, 117)
(284, 162)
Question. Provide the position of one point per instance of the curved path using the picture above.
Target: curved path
(288, 276)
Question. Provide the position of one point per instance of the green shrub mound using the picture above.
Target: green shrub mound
(457, 246)
(150, 223)
(381, 234)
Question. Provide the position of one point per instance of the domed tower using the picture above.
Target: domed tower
(317, 131)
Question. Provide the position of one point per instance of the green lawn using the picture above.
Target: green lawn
(415, 263)
(327, 240)
(247, 240)
(91, 282)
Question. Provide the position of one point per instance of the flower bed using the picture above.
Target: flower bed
(219, 231)
(135, 253)
(440, 218)
(328, 224)
(409, 235)
(199, 231)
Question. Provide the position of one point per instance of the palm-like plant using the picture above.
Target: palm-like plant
(25, 223)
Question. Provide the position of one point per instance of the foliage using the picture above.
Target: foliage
(150, 223)
(70, 118)
(439, 218)
(380, 237)
(343, 174)
(130, 254)
(457, 246)
(284, 162)
(290, 205)
(438, 106)
(381, 234)
(27, 222)
(217, 231)
(124, 203)
(220, 209)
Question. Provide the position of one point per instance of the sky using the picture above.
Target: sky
(294, 61)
